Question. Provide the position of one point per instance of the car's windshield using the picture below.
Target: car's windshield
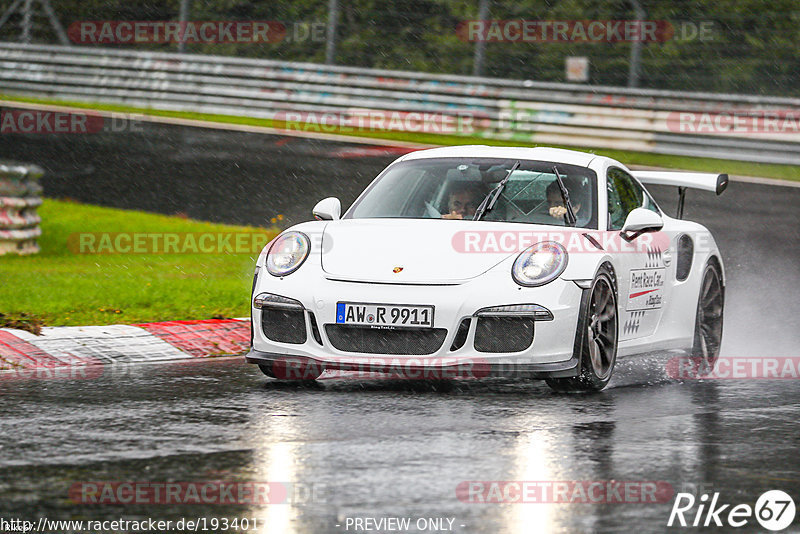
(453, 188)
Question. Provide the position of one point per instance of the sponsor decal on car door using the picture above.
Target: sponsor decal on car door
(646, 294)
(643, 283)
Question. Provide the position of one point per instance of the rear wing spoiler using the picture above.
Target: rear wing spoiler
(694, 180)
(716, 183)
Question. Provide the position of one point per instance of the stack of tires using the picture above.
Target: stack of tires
(20, 195)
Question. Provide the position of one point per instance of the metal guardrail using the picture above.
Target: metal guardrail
(514, 110)
(20, 195)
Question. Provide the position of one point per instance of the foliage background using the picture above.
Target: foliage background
(754, 47)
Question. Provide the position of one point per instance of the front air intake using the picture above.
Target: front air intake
(461, 335)
(410, 341)
(284, 326)
(503, 334)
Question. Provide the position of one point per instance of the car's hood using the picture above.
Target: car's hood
(406, 250)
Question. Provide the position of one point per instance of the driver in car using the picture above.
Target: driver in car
(463, 200)
(555, 201)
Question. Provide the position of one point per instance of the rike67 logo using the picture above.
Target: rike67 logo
(774, 510)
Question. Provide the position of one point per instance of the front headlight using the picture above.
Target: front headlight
(287, 253)
(540, 264)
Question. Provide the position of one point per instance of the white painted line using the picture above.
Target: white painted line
(73, 345)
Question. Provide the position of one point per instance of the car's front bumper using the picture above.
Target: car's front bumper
(550, 352)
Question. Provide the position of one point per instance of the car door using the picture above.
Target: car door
(643, 283)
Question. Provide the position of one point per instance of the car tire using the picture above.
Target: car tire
(708, 320)
(266, 368)
(281, 371)
(596, 337)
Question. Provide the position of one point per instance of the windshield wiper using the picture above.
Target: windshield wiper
(570, 215)
(488, 202)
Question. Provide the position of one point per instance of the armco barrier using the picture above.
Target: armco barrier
(514, 110)
(20, 195)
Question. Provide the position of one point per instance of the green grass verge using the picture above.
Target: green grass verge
(61, 287)
(767, 170)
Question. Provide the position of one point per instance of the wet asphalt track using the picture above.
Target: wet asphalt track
(389, 448)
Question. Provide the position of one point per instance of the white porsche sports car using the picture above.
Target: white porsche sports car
(473, 260)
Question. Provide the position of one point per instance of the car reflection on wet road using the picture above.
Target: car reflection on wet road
(348, 448)
(353, 448)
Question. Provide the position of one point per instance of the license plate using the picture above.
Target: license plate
(391, 315)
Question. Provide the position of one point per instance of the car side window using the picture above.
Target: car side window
(624, 195)
(622, 198)
(649, 203)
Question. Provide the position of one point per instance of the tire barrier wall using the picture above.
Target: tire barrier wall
(20, 195)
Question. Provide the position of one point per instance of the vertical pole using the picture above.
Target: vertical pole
(184, 17)
(333, 20)
(636, 48)
(480, 46)
(681, 200)
(9, 12)
(25, 37)
(54, 22)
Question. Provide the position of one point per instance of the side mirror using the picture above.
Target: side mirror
(328, 209)
(641, 220)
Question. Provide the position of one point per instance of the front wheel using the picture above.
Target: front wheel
(596, 338)
(291, 370)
